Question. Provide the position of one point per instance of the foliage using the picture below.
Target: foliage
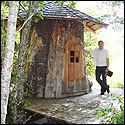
(117, 81)
(115, 17)
(4, 8)
(71, 4)
(90, 43)
(111, 114)
(11, 102)
(26, 103)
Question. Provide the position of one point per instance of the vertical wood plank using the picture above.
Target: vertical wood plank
(75, 67)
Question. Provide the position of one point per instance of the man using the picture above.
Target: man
(101, 60)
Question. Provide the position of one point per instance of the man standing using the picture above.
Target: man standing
(101, 60)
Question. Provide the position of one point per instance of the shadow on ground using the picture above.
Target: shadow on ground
(73, 110)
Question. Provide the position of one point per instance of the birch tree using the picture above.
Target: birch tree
(8, 59)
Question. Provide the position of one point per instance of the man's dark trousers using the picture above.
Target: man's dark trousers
(100, 70)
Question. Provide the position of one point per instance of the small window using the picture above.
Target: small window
(77, 56)
(71, 59)
(77, 59)
(74, 54)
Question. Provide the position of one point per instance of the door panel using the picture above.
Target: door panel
(79, 62)
(74, 67)
(71, 63)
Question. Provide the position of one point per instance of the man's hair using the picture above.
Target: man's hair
(100, 41)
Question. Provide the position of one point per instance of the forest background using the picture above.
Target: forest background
(110, 12)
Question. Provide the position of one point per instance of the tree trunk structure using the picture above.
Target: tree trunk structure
(57, 66)
(8, 59)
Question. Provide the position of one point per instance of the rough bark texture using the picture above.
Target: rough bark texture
(19, 87)
(37, 75)
(55, 64)
(8, 59)
(47, 70)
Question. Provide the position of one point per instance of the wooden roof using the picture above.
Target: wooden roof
(53, 11)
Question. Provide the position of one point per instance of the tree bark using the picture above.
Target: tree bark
(19, 115)
(8, 59)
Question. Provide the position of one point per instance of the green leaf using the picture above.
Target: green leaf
(26, 105)
(120, 99)
(121, 107)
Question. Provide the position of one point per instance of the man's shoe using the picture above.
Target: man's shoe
(102, 93)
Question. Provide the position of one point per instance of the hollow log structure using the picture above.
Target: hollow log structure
(55, 65)
(57, 68)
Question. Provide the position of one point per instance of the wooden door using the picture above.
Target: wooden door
(74, 65)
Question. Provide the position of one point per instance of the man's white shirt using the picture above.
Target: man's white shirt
(100, 56)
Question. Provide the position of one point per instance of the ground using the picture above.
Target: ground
(76, 110)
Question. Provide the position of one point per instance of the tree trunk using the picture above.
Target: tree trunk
(8, 59)
(19, 115)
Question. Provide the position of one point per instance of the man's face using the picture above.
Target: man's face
(101, 44)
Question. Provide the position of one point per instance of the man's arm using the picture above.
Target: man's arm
(88, 52)
(107, 61)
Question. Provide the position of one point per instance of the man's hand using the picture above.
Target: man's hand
(85, 51)
(106, 70)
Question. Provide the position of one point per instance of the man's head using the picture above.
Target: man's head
(101, 44)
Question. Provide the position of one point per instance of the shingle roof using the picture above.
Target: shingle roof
(52, 10)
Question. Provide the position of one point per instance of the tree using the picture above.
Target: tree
(8, 59)
(19, 85)
(114, 14)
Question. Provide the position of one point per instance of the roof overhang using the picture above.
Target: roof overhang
(89, 26)
(53, 11)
